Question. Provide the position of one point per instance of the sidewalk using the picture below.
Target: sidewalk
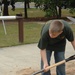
(13, 59)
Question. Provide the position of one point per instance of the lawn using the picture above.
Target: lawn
(31, 33)
(31, 29)
(32, 12)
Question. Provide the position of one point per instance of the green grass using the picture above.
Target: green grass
(31, 33)
(35, 13)
(31, 29)
(65, 12)
(12, 34)
(32, 12)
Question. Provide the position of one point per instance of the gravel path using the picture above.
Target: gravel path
(13, 59)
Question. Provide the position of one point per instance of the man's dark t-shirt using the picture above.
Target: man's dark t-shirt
(58, 43)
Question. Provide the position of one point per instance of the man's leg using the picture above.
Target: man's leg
(48, 53)
(59, 56)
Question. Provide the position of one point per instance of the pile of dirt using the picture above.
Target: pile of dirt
(70, 70)
(43, 19)
(26, 71)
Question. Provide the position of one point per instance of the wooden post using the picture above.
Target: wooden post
(20, 24)
(20, 27)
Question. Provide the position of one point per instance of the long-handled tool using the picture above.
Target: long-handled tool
(56, 64)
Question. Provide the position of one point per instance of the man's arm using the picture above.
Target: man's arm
(73, 44)
(44, 58)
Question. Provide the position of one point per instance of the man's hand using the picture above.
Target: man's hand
(45, 67)
(44, 59)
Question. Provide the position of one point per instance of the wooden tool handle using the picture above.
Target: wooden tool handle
(56, 64)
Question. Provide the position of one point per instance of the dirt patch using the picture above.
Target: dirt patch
(26, 71)
(70, 70)
(42, 19)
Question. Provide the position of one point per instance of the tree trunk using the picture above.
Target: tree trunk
(56, 8)
(5, 9)
(59, 15)
(28, 1)
(28, 5)
(25, 9)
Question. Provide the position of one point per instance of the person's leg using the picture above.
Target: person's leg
(48, 53)
(59, 56)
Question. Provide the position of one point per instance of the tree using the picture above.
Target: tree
(53, 7)
(26, 5)
(12, 3)
(72, 6)
(6, 4)
(25, 9)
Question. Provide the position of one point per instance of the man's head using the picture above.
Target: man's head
(56, 28)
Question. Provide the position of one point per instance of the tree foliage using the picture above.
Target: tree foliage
(6, 4)
(72, 6)
(53, 7)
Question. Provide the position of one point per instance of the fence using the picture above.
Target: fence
(20, 24)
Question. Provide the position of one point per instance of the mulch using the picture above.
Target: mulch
(37, 19)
